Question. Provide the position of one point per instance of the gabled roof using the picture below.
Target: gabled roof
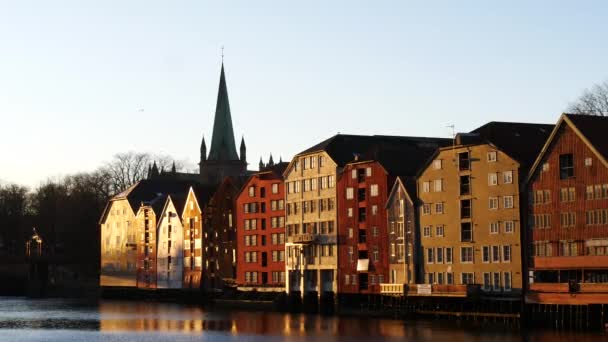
(148, 190)
(521, 141)
(270, 172)
(203, 193)
(591, 129)
(400, 182)
(393, 151)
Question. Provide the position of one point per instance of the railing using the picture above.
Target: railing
(303, 238)
(392, 289)
(564, 288)
(442, 290)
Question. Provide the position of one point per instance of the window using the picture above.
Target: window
(430, 278)
(496, 281)
(354, 174)
(508, 201)
(568, 194)
(487, 281)
(545, 167)
(465, 208)
(350, 212)
(467, 278)
(438, 208)
(449, 278)
(332, 181)
(493, 203)
(426, 186)
(466, 254)
(507, 177)
(373, 190)
(568, 219)
(437, 164)
(439, 231)
(439, 255)
(494, 227)
(465, 185)
(426, 231)
(466, 232)
(426, 209)
(509, 226)
(492, 156)
(506, 253)
(542, 221)
(566, 166)
(448, 255)
(321, 161)
(252, 191)
(507, 281)
(350, 233)
(588, 161)
(492, 178)
(495, 253)
(438, 185)
(485, 255)
(568, 248)
(463, 161)
(374, 209)
(275, 188)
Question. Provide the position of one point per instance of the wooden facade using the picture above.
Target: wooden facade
(403, 236)
(260, 231)
(192, 221)
(219, 237)
(170, 249)
(363, 249)
(146, 247)
(568, 218)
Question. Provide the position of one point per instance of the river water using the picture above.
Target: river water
(68, 320)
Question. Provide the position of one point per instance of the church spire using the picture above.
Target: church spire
(223, 146)
(243, 154)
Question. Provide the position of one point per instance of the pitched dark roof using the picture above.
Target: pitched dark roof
(343, 148)
(521, 141)
(152, 190)
(203, 193)
(594, 128)
(223, 146)
(277, 168)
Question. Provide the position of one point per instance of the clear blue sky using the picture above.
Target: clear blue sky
(73, 74)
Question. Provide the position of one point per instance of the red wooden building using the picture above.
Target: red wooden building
(363, 190)
(260, 231)
(568, 215)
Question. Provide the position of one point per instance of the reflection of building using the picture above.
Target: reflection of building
(568, 215)
(33, 246)
(170, 251)
(260, 231)
(470, 220)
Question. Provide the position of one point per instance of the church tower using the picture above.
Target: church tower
(222, 160)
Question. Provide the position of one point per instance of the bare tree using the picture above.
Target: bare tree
(126, 169)
(593, 101)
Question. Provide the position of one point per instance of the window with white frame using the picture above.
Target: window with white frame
(437, 164)
(438, 185)
(496, 281)
(354, 174)
(449, 255)
(492, 156)
(493, 203)
(439, 208)
(439, 230)
(466, 254)
(374, 209)
(350, 212)
(426, 231)
(509, 226)
(430, 255)
(492, 178)
(368, 171)
(487, 281)
(495, 253)
(508, 201)
(373, 190)
(467, 278)
(426, 186)
(485, 254)
(507, 177)
(507, 281)
(426, 209)
(439, 255)
(494, 227)
(506, 253)
(588, 161)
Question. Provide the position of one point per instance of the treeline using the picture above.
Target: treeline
(65, 211)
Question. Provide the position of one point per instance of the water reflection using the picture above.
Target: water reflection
(123, 320)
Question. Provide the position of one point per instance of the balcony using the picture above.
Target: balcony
(565, 288)
(437, 290)
(565, 293)
(558, 262)
(392, 289)
(303, 238)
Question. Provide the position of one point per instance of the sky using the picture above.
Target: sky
(83, 80)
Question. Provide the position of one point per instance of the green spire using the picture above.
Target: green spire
(222, 140)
